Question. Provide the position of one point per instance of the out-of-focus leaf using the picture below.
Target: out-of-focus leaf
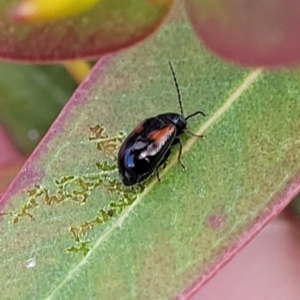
(8, 153)
(108, 26)
(251, 32)
(176, 233)
(31, 98)
(11, 162)
(50, 10)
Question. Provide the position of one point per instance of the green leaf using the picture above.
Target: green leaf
(154, 242)
(31, 98)
(108, 26)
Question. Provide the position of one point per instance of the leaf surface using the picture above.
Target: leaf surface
(175, 235)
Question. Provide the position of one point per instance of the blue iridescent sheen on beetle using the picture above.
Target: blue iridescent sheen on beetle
(148, 146)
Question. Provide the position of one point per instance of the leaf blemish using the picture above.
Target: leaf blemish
(78, 189)
(216, 220)
(107, 145)
(125, 195)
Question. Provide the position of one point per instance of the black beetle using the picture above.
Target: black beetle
(148, 146)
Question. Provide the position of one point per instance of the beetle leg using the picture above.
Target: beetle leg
(157, 175)
(179, 155)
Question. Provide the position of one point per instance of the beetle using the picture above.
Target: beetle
(148, 146)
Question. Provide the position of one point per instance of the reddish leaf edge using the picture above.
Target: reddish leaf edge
(96, 53)
(279, 202)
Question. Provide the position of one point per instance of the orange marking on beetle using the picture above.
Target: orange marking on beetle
(139, 128)
(159, 134)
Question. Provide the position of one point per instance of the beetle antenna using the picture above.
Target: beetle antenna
(199, 112)
(177, 87)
